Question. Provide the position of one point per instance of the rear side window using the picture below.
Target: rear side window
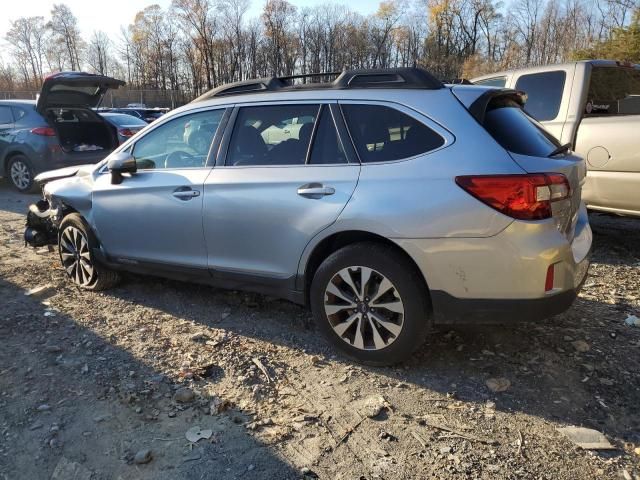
(492, 82)
(544, 92)
(516, 131)
(18, 113)
(384, 134)
(5, 115)
(614, 91)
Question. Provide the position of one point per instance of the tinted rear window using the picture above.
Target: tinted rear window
(383, 134)
(516, 131)
(544, 92)
(123, 119)
(614, 91)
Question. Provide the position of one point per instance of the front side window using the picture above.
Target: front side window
(180, 143)
(492, 82)
(544, 93)
(383, 134)
(5, 115)
(272, 135)
(614, 91)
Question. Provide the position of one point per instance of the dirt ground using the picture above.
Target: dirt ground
(90, 380)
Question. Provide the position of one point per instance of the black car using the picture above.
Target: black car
(60, 129)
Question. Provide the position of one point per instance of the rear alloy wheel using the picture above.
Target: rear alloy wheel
(75, 245)
(20, 173)
(371, 302)
(363, 308)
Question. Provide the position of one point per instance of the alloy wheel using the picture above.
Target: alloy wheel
(20, 174)
(364, 308)
(75, 256)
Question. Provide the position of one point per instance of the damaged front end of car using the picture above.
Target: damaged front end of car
(64, 190)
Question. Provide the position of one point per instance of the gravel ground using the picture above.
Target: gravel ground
(106, 385)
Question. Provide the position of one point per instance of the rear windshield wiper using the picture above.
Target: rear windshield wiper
(561, 149)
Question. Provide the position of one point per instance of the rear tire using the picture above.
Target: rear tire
(20, 174)
(76, 243)
(381, 322)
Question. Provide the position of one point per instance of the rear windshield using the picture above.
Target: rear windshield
(125, 120)
(517, 132)
(614, 91)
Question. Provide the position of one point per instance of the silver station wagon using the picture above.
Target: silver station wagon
(385, 200)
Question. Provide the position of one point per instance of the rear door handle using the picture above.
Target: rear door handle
(315, 190)
(185, 193)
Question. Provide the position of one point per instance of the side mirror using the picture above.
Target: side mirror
(119, 163)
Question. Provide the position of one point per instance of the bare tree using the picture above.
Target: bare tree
(66, 33)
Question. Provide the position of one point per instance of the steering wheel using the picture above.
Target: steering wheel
(181, 159)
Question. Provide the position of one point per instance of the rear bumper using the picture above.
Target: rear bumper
(452, 310)
(503, 278)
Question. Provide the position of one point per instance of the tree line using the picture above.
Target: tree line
(195, 45)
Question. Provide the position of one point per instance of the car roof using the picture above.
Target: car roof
(12, 101)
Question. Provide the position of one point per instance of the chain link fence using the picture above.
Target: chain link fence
(120, 98)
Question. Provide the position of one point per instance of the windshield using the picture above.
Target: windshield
(614, 91)
(517, 132)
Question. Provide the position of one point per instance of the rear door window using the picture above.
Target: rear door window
(614, 91)
(384, 134)
(544, 92)
(516, 131)
(5, 115)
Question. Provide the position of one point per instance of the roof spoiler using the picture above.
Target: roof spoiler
(478, 108)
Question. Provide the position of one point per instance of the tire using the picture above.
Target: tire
(20, 174)
(398, 311)
(76, 242)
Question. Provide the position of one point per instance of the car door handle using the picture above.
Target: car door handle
(315, 190)
(185, 193)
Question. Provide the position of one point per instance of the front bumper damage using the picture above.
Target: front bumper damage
(42, 224)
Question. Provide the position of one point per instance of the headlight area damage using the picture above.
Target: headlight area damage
(44, 216)
(42, 224)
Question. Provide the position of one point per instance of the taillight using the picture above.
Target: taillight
(44, 131)
(126, 132)
(548, 282)
(523, 197)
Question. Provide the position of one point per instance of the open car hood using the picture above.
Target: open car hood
(74, 89)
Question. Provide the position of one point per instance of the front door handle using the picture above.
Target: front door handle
(185, 193)
(315, 190)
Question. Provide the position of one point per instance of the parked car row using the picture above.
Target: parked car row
(64, 127)
(386, 201)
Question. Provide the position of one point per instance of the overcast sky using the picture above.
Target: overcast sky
(110, 15)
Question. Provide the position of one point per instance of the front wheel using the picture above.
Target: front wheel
(75, 245)
(371, 303)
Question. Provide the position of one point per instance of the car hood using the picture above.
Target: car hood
(50, 175)
(74, 89)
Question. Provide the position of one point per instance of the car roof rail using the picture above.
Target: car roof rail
(403, 78)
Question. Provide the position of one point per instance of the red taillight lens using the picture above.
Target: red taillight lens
(126, 132)
(523, 197)
(548, 282)
(44, 131)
